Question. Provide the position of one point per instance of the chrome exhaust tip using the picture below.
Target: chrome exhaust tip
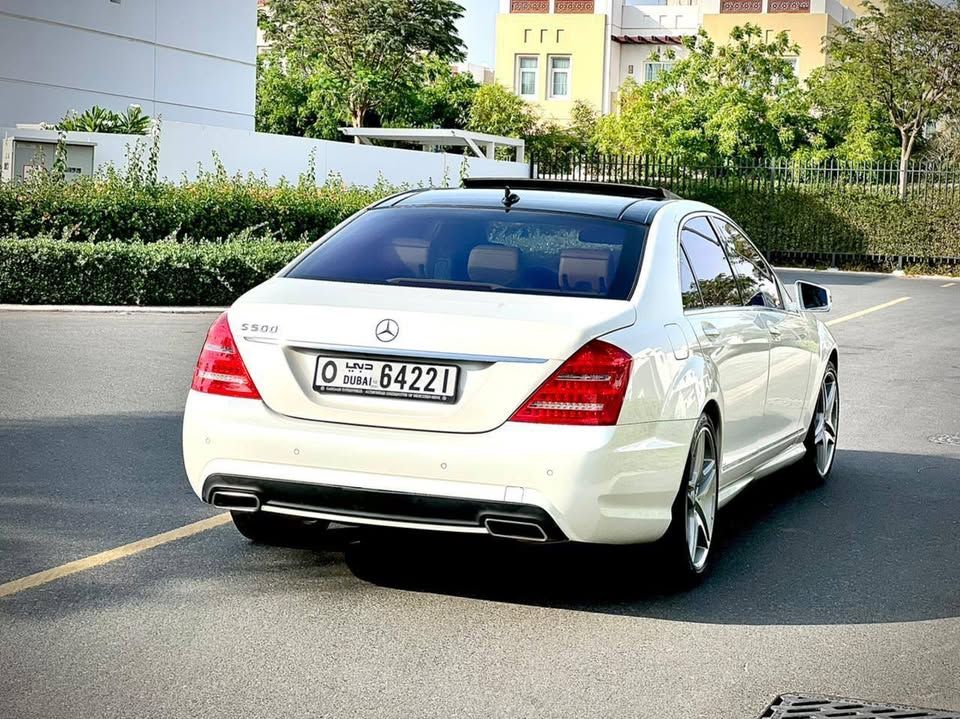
(515, 529)
(235, 501)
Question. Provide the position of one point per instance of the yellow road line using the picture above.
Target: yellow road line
(949, 284)
(111, 555)
(861, 313)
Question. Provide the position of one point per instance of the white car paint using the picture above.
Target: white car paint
(607, 484)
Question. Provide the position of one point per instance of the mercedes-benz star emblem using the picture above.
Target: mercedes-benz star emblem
(387, 330)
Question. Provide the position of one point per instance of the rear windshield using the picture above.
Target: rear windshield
(479, 249)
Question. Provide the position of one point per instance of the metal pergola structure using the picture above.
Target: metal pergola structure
(480, 144)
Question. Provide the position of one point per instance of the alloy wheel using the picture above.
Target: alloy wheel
(826, 419)
(701, 498)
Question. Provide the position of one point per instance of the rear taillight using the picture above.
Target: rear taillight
(587, 389)
(220, 368)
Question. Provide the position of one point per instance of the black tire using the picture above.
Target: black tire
(810, 467)
(277, 529)
(675, 551)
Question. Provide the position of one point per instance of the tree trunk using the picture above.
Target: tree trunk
(906, 150)
(356, 120)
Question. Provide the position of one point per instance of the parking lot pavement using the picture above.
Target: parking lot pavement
(850, 589)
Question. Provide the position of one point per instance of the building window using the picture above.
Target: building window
(560, 76)
(652, 70)
(527, 66)
(793, 62)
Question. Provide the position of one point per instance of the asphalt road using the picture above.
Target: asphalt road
(849, 589)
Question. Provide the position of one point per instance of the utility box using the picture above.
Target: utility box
(24, 155)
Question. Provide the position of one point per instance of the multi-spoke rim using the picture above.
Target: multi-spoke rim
(826, 419)
(701, 497)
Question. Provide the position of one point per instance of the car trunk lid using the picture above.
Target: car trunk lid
(505, 345)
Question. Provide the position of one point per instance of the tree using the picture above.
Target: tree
(944, 145)
(848, 124)
(907, 57)
(583, 123)
(738, 100)
(498, 111)
(442, 99)
(372, 50)
(298, 100)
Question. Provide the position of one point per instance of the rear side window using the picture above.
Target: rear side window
(754, 277)
(710, 267)
(689, 290)
(482, 249)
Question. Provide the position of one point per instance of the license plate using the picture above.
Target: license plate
(404, 380)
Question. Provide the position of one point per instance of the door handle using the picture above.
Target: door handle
(710, 331)
(774, 331)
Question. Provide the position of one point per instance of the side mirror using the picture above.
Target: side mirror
(812, 298)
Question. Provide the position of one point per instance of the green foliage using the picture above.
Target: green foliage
(944, 146)
(843, 220)
(736, 100)
(826, 220)
(442, 98)
(848, 125)
(548, 139)
(498, 111)
(583, 123)
(47, 271)
(905, 58)
(98, 119)
(128, 206)
(372, 51)
(298, 99)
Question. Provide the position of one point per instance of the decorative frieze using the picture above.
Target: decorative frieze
(572, 7)
(794, 6)
(529, 6)
(741, 6)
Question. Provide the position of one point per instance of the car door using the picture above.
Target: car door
(733, 339)
(790, 349)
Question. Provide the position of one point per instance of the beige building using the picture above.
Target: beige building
(554, 52)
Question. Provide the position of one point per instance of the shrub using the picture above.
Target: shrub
(98, 119)
(48, 271)
(843, 220)
(125, 206)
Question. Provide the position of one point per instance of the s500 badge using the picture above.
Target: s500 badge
(256, 327)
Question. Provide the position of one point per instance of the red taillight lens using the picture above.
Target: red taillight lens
(220, 368)
(587, 389)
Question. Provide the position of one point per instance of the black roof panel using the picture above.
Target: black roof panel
(609, 206)
(590, 188)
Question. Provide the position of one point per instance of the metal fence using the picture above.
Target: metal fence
(929, 179)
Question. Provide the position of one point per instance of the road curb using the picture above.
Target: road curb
(112, 309)
(894, 275)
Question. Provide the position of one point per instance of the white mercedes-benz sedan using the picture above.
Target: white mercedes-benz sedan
(532, 360)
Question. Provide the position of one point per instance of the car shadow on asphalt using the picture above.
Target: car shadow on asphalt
(877, 543)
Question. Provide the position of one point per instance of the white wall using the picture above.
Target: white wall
(189, 60)
(661, 20)
(183, 145)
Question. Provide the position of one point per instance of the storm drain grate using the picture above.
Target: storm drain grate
(945, 439)
(813, 706)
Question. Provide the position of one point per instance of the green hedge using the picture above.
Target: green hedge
(210, 209)
(46, 271)
(851, 221)
(823, 220)
(125, 241)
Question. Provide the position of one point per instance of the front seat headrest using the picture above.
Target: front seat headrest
(495, 264)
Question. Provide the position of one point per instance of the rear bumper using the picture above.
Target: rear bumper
(591, 484)
(383, 508)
